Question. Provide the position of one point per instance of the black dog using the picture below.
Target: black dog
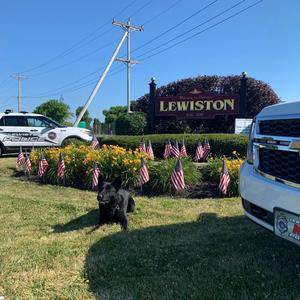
(114, 202)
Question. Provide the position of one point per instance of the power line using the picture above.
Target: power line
(77, 87)
(192, 29)
(161, 13)
(206, 29)
(176, 25)
(74, 46)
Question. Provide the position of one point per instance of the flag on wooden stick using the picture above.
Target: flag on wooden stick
(95, 176)
(177, 177)
(95, 144)
(27, 164)
(150, 151)
(206, 149)
(224, 178)
(175, 150)
(142, 146)
(199, 152)
(61, 167)
(144, 175)
(167, 151)
(183, 152)
(43, 166)
(20, 159)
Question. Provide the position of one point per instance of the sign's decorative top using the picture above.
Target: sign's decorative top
(197, 104)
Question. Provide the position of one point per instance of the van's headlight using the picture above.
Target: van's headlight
(250, 144)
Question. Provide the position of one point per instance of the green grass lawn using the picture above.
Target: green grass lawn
(175, 249)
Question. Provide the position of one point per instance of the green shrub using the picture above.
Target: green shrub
(221, 144)
(160, 174)
(134, 123)
(75, 142)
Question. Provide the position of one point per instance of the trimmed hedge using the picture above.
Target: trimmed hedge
(221, 143)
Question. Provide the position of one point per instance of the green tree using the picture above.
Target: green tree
(114, 112)
(54, 109)
(131, 124)
(86, 116)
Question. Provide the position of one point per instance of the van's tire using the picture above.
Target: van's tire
(1, 150)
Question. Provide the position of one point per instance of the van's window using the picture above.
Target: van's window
(14, 121)
(1, 122)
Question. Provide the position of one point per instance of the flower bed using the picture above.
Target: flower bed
(111, 160)
(116, 161)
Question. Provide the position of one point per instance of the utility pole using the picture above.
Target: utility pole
(128, 28)
(96, 88)
(19, 78)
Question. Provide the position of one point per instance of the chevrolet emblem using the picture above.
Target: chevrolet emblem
(295, 145)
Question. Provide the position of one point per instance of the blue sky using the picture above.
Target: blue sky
(57, 44)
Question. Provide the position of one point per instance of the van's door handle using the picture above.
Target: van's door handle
(33, 130)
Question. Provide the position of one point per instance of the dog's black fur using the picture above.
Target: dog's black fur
(114, 202)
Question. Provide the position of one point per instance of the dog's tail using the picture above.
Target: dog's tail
(131, 205)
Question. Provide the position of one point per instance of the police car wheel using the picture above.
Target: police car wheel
(1, 151)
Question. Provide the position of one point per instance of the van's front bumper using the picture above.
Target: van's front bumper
(261, 195)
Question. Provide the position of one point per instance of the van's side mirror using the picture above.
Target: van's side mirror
(51, 125)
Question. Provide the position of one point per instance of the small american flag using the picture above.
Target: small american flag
(142, 146)
(20, 159)
(43, 166)
(95, 144)
(206, 149)
(175, 150)
(183, 152)
(27, 164)
(144, 175)
(150, 151)
(167, 151)
(177, 177)
(199, 152)
(224, 178)
(61, 167)
(95, 176)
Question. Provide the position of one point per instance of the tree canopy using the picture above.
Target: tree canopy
(112, 114)
(54, 109)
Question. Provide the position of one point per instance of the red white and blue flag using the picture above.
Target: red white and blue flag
(27, 164)
(177, 177)
(224, 179)
(95, 144)
(183, 152)
(175, 150)
(199, 152)
(20, 159)
(206, 149)
(150, 151)
(168, 148)
(142, 146)
(144, 175)
(61, 167)
(95, 176)
(43, 166)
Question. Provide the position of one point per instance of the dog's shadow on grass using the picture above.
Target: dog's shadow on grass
(89, 219)
(210, 258)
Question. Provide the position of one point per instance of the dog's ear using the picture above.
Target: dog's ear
(117, 183)
(100, 182)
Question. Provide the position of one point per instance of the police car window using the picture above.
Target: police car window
(2, 122)
(36, 122)
(14, 121)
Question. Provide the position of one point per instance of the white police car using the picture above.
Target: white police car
(33, 130)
